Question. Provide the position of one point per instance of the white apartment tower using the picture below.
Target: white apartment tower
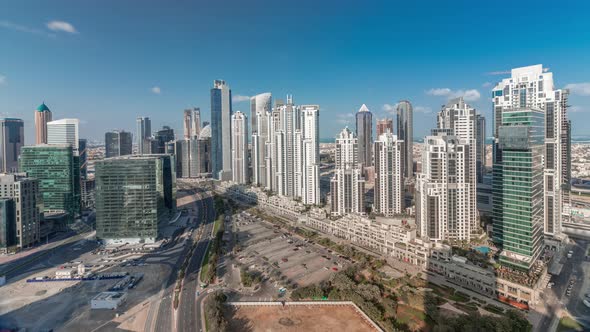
(388, 192)
(239, 148)
(532, 87)
(443, 190)
(192, 123)
(260, 108)
(459, 119)
(347, 187)
(310, 154)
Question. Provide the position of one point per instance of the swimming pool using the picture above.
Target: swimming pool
(483, 249)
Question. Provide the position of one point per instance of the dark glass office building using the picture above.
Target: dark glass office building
(134, 194)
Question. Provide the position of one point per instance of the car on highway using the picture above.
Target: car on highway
(586, 303)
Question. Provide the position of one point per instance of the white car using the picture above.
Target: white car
(586, 303)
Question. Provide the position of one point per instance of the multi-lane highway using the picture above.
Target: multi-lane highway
(187, 316)
(189, 312)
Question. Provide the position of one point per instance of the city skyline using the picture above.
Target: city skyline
(129, 82)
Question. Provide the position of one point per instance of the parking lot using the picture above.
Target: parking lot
(284, 258)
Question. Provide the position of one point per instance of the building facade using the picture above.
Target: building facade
(461, 120)
(26, 205)
(310, 154)
(260, 109)
(143, 134)
(221, 110)
(405, 132)
(12, 138)
(444, 190)
(118, 143)
(383, 126)
(64, 131)
(388, 190)
(347, 186)
(532, 88)
(42, 116)
(364, 133)
(58, 172)
(192, 123)
(133, 195)
(518, 187)
(239, 146)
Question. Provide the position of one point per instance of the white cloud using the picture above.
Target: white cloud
(582, 89)
(468, 95)
(239, 98)
(423, 109)
(576, 109)
(21, 28)
(156, 90)
(389, 108)
(345, 118)
(2, 79)
(486, 85)
(61, 26)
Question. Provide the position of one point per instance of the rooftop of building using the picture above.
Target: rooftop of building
(108, 296)
(43, 108)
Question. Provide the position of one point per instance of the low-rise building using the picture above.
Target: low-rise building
(108, 300)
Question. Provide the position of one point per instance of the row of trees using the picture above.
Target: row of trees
(216, 321)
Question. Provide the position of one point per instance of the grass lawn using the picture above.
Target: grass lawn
(568, 324)
(469, 308)
(459, 297)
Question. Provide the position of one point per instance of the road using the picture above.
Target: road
(189, 310)
(187, 313)
(555, 299)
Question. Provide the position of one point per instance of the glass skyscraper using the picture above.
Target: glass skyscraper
(221, 110)
(12, 138)
(58, 172)
(518, 187)
(133, 194)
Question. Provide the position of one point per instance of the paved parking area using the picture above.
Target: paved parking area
(282, 256)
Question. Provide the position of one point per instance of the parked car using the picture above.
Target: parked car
(586, 303)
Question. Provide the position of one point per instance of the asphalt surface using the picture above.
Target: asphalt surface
(555, 297)
(189, 310)
(188, 314)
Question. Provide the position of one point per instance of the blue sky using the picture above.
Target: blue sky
(101, 60)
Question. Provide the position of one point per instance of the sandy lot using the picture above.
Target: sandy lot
(297, 318)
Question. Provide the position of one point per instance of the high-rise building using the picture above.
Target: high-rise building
(144, 132)
(64, 131)
(27, 207)
(133, 195)
(239, 146)
(347, 186)
(118, 143)
(518, 187)
(444, 190)
(260, 109)
(42, 116)
(364, 133)
(83, 158)
(12, 138)
(532, 88)
(7, 225)
(405, 133)
(461, 120)
(310, 154)
(192, 123)
(480, 150)
(161, 138)
(389, 190)
(383, 126)
(221, 110)
(286, 119)
(58, 172)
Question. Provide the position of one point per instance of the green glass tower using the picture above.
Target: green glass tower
(133, 195)
(518, 187)
(58, 172)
